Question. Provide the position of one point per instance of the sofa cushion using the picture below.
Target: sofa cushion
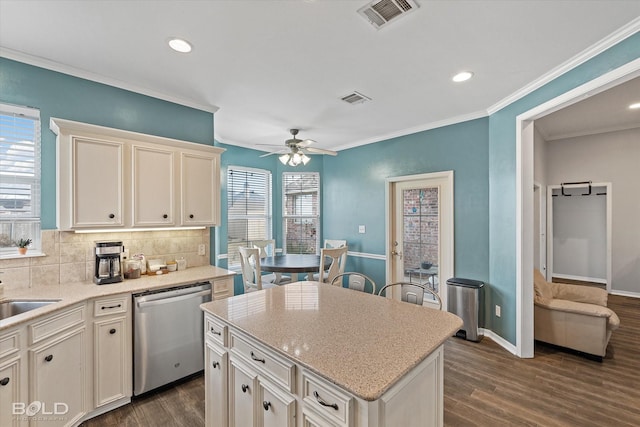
(580, 293)
(543, 290)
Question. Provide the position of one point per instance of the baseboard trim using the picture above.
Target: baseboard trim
(500, 341)
(625, 293)
(580, 278)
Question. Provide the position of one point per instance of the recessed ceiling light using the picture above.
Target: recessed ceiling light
(635, 106)
(180, 45)
(462, 77)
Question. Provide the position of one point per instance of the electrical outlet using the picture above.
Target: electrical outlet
(362, 229)
(201, 249)
(498, 311)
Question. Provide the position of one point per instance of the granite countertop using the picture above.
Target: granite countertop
(361, 342)
(73, 293)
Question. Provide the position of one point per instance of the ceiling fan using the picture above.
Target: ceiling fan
(297, 150)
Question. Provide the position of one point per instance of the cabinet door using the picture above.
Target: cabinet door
(222, 288)
(112, 358)
(200, 189)
(215, 386)
(242, 383)
(275, 407)
(97, 183)
(10, 393)
(57, 383)
(153, 186)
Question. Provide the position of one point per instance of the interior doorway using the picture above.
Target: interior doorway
(420, 231)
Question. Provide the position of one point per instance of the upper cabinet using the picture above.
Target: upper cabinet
(110, 178)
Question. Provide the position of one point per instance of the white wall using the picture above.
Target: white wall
(611, 157)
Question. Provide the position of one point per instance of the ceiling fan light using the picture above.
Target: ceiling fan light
(284, 158)
(296, 159)
(305, 159)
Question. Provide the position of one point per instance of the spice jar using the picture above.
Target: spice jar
(132, 269)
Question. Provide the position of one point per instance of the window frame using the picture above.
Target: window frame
(233, 260)
(31, 221)
(316, 217)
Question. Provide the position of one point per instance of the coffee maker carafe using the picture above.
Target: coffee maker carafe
(107, 269)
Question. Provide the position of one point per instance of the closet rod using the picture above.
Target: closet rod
(562, 184)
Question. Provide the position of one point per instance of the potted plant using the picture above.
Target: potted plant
(22, 245)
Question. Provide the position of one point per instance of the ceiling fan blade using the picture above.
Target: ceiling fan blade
(275, 152)
(313, 150)
(306, 143)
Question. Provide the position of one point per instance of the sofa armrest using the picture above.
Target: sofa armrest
(577, 307)
(578, 293)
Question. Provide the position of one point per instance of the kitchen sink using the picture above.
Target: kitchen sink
(15, 307)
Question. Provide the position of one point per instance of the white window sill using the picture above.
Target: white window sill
(16, 255)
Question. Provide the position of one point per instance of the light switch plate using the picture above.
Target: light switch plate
(361, 229)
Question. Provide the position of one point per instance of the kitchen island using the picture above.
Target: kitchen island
(311, 354)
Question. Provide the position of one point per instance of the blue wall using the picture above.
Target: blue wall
(63, 96)
(502, 178)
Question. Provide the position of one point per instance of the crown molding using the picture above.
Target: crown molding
(87, 75)
(611, 40)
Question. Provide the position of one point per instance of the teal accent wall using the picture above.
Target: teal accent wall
(502, 178)
(354, 193)
(67, 97)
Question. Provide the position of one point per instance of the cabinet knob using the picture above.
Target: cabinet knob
(111, 216)
(266, 405)
(216, 364)
(49, 358)
(245, 388)
(191, 216)
(165, 216)
(112, 331)
(4, 381)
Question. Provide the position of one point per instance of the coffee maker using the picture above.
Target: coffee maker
(107, 269)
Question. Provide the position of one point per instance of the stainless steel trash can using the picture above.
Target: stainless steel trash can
(465, 298)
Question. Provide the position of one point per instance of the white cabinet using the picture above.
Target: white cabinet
(200, 189)
(153, 186)
(242, 389)
(215, 385)
(95, 174)
(109, 178)
(12, 384)
(275, 407)
(57, 379)
(112, 353)
(222, 288)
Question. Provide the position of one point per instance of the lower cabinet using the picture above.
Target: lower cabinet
(215, 385)
(242, 392)
(275, 407)
(10, 392)
(57, 380)
(112, 375)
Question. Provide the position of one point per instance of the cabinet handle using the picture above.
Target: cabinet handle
(256, 358)
(107, 307)
(245, 388)
(111, 216)
(165, 216)
(323, 403)
(112, 331)
(191, 216)
(4, 381)
(49, 358)
(213, 331)
(266, 404)
(216, 364)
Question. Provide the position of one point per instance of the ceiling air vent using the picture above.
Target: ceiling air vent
(355, 98)
(380, 12)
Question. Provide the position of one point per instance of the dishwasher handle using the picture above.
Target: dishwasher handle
(168, 300)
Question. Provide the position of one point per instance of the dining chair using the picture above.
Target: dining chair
(268, 248)
(330, 269)
(412, 293)
(251, 274)
(355, 281)
(329, 243)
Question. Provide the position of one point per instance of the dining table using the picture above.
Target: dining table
(292, 264)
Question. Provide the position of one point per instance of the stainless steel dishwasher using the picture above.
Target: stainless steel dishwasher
(168, 335)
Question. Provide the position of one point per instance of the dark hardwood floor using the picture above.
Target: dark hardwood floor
(484, 386)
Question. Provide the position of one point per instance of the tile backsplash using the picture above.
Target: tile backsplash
(69, 257)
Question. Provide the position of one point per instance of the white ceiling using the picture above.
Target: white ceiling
(273, 65)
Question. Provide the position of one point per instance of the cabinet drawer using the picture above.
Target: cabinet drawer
(216, 331)
(112, 305)
(56, 323)
(9, 343)
(280, 370)
(222, 288)
(326, 399)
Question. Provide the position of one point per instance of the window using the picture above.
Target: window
(301, 212)
(248, 209)
(19, 177)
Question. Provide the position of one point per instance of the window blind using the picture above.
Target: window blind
(248, 209)
(19, 175)
(301, 211)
